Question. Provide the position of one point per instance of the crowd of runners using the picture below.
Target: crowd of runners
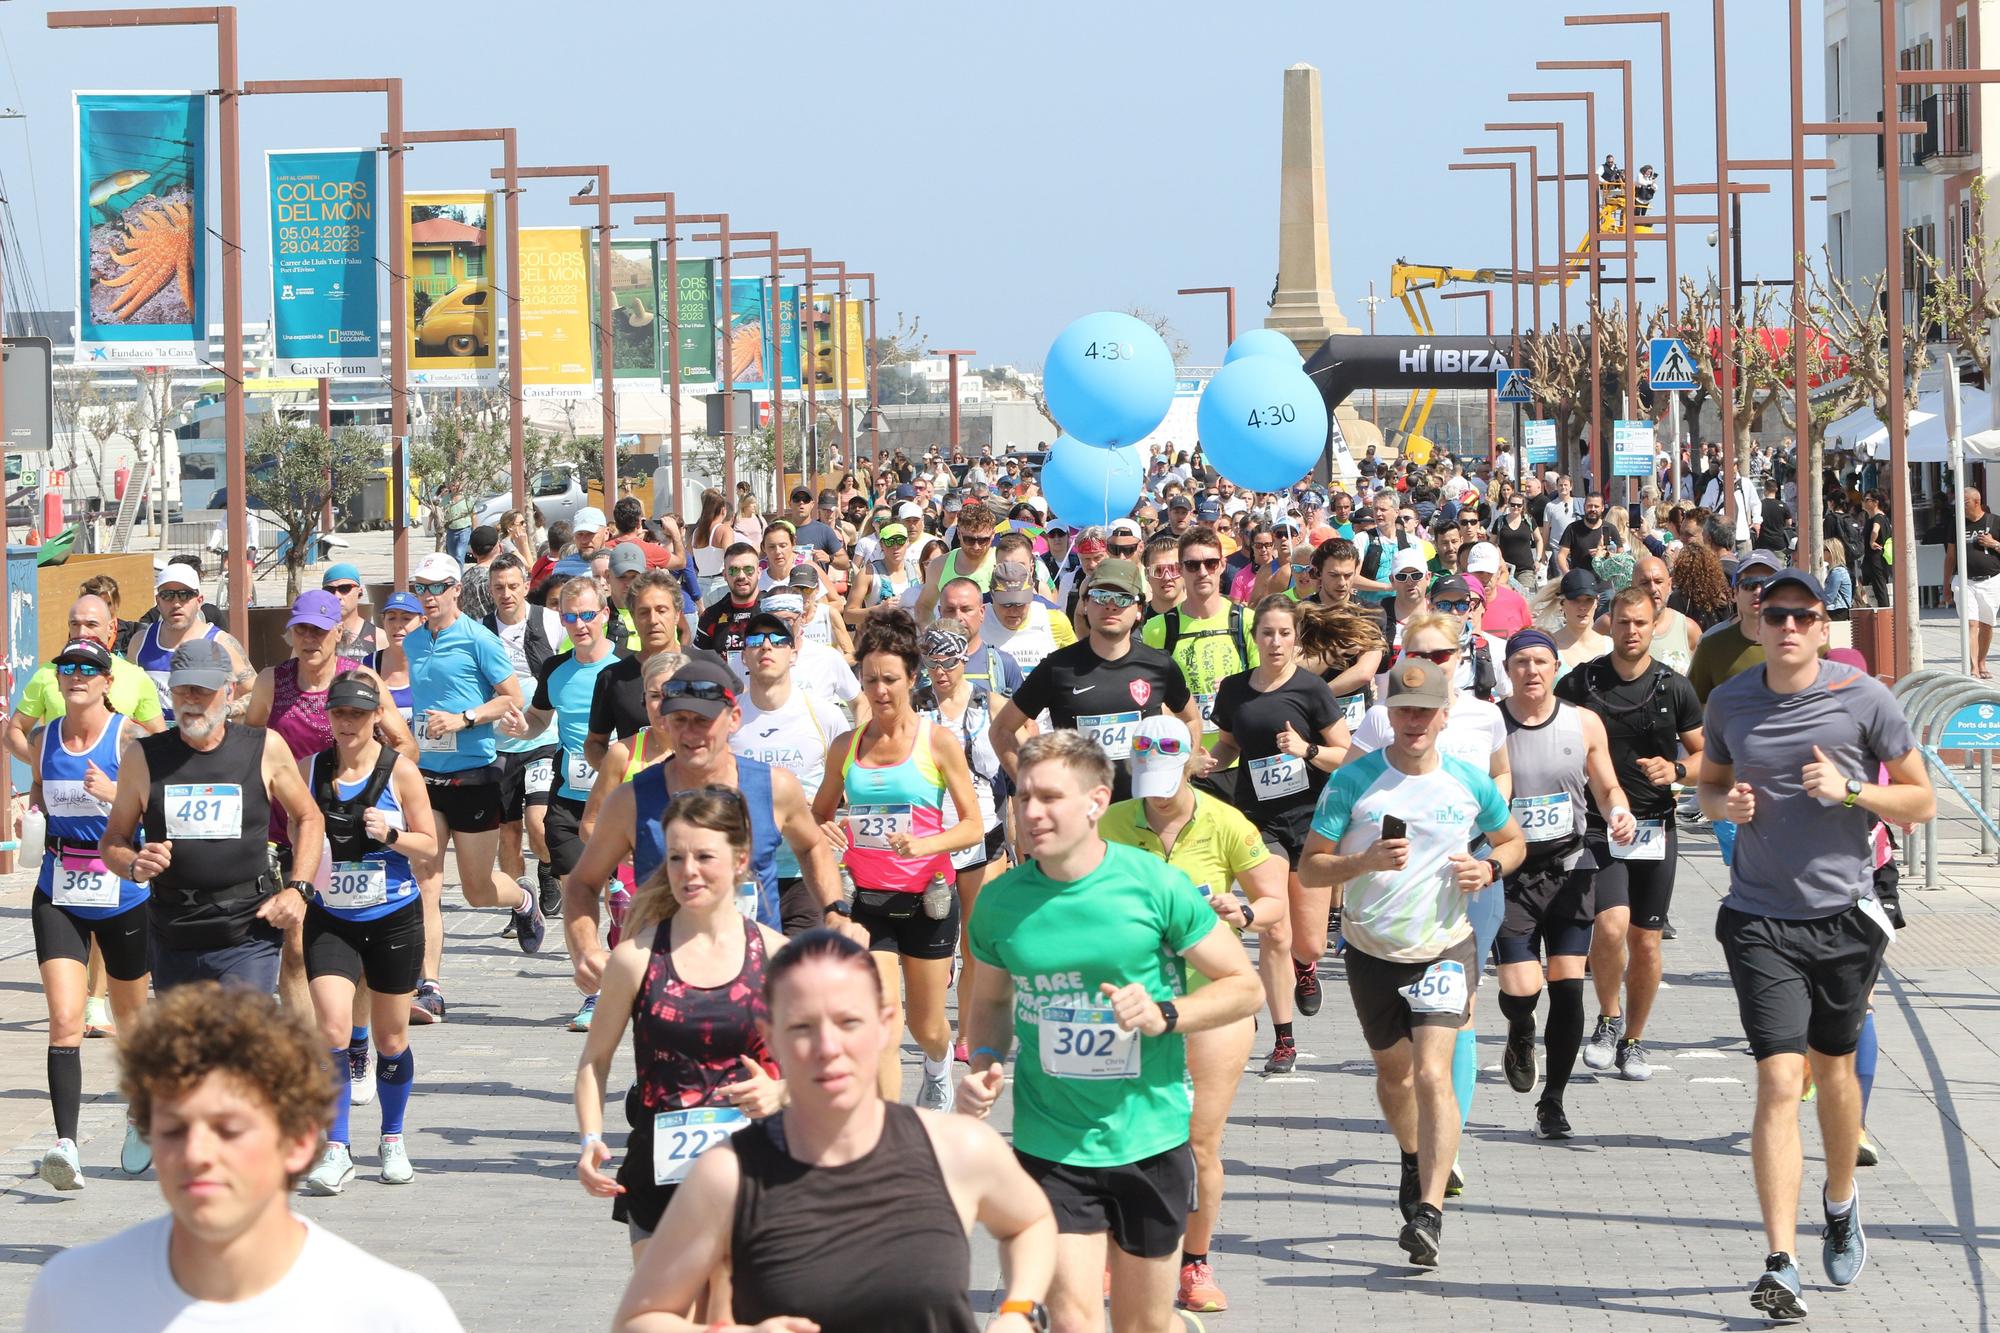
(795, 788)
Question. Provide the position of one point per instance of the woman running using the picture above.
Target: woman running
(1701, 589)
(689, 977)
(882, 805)
(78, 900)
(1519, 540)
(1287, 728)
(885, 579)
(401, 613)
(367, 918)
(1577, 639)
(844, 1212)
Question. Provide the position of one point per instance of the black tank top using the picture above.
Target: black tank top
(874, 1246)
(213, 806)
(688, 1041)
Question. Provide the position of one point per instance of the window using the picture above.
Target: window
(1836, 80)
(475, 262)
(1838, 226)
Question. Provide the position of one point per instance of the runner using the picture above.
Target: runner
(1351, 671)
(1412, 963)
(401, 614)
(367, 922)
(1020, 623)
(1208, 638)
(1790, 749)
(970, 558)
(1735, 645)
(1577, 639)
(618, 707)
(1675, 636)
(882, 804)
(42, 700)
(821, 671)
(234, 1137)
(886, 577)
(1218, 849)
(844, 1211)
(1557, 753)
(1650, 716)
(689, 979)
(993, 669)
(720, 625)
(527, 763)
(177, 597)
(202, 795)
(1086, 947)
(77, 901)
(1104, 684)
(359, 639)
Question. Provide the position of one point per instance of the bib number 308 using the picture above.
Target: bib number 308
(1088, 1044)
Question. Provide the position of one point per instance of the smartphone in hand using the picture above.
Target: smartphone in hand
(1394, 827)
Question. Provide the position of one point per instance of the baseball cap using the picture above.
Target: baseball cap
(803, 576)
(1013, 584)
(1484, 558)
(909, 509)
(344, 572)
(1180, 501)
(317, 609)
(177, 576)
(87, 651)
(1154, 773)
(589, 519)
(906, 492)
(1363, 517)
(1409, 558)
(765, 622)
(697, 673)
(802, 493)
(1581, 583)
(436, 565)
(1119, 575)
(627, 558)
(403, 601)
(1795, 578)
(1450, 588)
(354, 691)
(1208, 511)
(892, 532)
(1312, 500)
(1756, 560)
(202, 663)
(1416, 682)
(1128, 526)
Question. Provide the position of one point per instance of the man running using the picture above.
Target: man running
(359, 638)
(1206, 635)
(1411, 960)
(720, 624)
(1084, 951)
(527, 763)
(971, 558)
(177, 597)
(618, 708)
(1650, 716)
(1792, 749)
(1020, 623)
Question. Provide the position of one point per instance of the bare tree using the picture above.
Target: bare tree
(1177, 346)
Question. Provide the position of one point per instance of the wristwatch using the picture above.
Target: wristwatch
(466, 717)
(1034, 1312)
(304, 886)
(1853, 793)
(1171, 1014)
(1680, 771)
(394, 834)
(844, 906)
(1492, 865)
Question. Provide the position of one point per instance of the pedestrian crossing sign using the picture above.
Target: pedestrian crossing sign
(1510, 385)
(1671, 364)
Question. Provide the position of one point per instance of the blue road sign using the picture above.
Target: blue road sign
(1671, 364)
(1511, 385)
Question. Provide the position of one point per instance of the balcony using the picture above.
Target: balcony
(1945, 148)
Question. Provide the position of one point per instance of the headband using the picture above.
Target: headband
(944, 645)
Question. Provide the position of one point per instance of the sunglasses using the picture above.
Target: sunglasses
(1436, 656)
(1208, 566)
(1452, 608)
(177, 596)
(438, 589)
(79, 669)
(1752, 584)
(1116, 600)
(763, 638)
(1781, 617)
(580, 617)
(343, 589)
(890, 541)
(1165, 571)
(1407, 576)
(1306, 570)
(1123, 552)
(740, 571)
(986, 540)
(1164, 745)
(705, 690)
(943, 663)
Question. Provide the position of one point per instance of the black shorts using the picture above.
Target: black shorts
(1547, 908)
(1647, 887)
(799, 909)
(60, 933)
(468, 800)
(1376, 986)
(914, 935)
(995, 843)
(1143, 1204)
(517, 793)
(388, 951)
(1217, 782)
(1801, 984)
(562, 830)
(1284, 842)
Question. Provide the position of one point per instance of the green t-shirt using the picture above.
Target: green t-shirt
(1206, 652)
(132, 693)
(1129, 920)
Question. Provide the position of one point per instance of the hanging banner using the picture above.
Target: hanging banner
(556, 332)
(694, 318)
(788, 334)
(1541, 442)
(142, 257)
(854, 347)
(1631, 448)
(635, 299)
(448, 254)
(324, 314)
(748, 341)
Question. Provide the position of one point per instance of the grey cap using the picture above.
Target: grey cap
(627, 558)
(202, 663)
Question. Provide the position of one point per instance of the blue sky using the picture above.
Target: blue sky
(1003, 171)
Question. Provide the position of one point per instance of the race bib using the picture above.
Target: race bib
(1087, 1043)
(205, 810)
(84, 883)
(1878, 918)
(1206, 702)
(1544, 818)
(872, 826)
(540, 777)
(429, 744)
(1112, 731)
(1440, 990)
(1648, 844)
(1353, 707)
(65, 798)
(581, 775)
(356, 884)
(1278, 775)
(681, 1136)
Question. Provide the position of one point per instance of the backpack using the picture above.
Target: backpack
(1235, 632)
(343, 817)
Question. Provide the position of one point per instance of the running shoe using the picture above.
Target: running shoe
(1602, 1048)
(1420, 1236)
(1518, 1061)
(513, 927)
(61, 1167)
(551, 900)
(1335, 941)
(1454, 1184)
(335, 1169)
(396, 1169)
(960, 1053)
(1550, 1122)
(1867, 1154)
(1667, 931)
(1843, 1249)
(581, 1023)
(1283, 1058)
(137, 1154)
(1410, 1189)
(1811, 1094)
(935, 1093)
(427, 1006)
(97, 1018)
(1305, 987)
(360, 1075)
(1198, 1290)
(530, 927)
(1776, 1295)
(1632, 1063)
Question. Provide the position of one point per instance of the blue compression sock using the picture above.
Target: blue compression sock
(1465, 1072)
(395, 1075)
(1865, 1056)
(358, 1040)
(344, 1103)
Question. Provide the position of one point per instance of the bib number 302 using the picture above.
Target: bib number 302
(1087, 1043)
(1440, 990)
(681, 1136)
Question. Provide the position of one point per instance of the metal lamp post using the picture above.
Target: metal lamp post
(1228, 304)
(776, 370)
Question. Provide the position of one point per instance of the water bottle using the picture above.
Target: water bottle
(937, 897)
(746, 899)
(846, 892)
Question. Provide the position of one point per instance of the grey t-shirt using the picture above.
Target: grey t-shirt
(1799, 859)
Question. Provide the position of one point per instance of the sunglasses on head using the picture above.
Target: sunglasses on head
(1781, 617)
(1208, 566)
(580, 617)
(79, 669)
(343, 589)
(765, 637)
(705, 690)
(1112, 598)
(437, 589)
(1437, 656)
(1166, 745)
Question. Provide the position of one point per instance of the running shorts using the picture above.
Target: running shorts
(1144, 1205)
(388, 951)
(902, 928)
(1801, 984)
(62, 934)
(1547, 908)
(468, 800)
(1647, 887)
(1376, 986)
(527, 777)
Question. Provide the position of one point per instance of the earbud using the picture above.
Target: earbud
(1096, 812)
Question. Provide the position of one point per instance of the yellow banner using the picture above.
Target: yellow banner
(854, 347)
(555, 313)
(448, 253)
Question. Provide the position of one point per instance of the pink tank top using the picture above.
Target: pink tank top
(299, 716)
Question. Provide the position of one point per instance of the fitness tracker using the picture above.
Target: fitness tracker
(1171, 1014)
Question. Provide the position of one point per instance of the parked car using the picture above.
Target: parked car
(558, 495)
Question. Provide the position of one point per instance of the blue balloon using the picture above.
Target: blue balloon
(1109, 380)
(1087, 486)
(1263, 342)
(1262, 422)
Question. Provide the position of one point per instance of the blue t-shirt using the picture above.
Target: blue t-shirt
(564, 686)
(455, 672)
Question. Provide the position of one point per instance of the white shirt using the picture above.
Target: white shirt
(515, 639)
(1473, 732)
(124, 1282)
(820, 671)
(1027, 645)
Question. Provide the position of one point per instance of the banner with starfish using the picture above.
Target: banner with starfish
(142, 254)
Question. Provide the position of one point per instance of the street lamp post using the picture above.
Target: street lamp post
(801, 257)
(1534, 215)
(776, 368)
(672, 312)
(720, 300)
(1596, 305)
(1561, 269)
(837, 269)
(871, 369)
(952, 354)
(1228, 304)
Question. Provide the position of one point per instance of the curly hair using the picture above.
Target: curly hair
(1697, 576)
(892, 630)
(195, 1030)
